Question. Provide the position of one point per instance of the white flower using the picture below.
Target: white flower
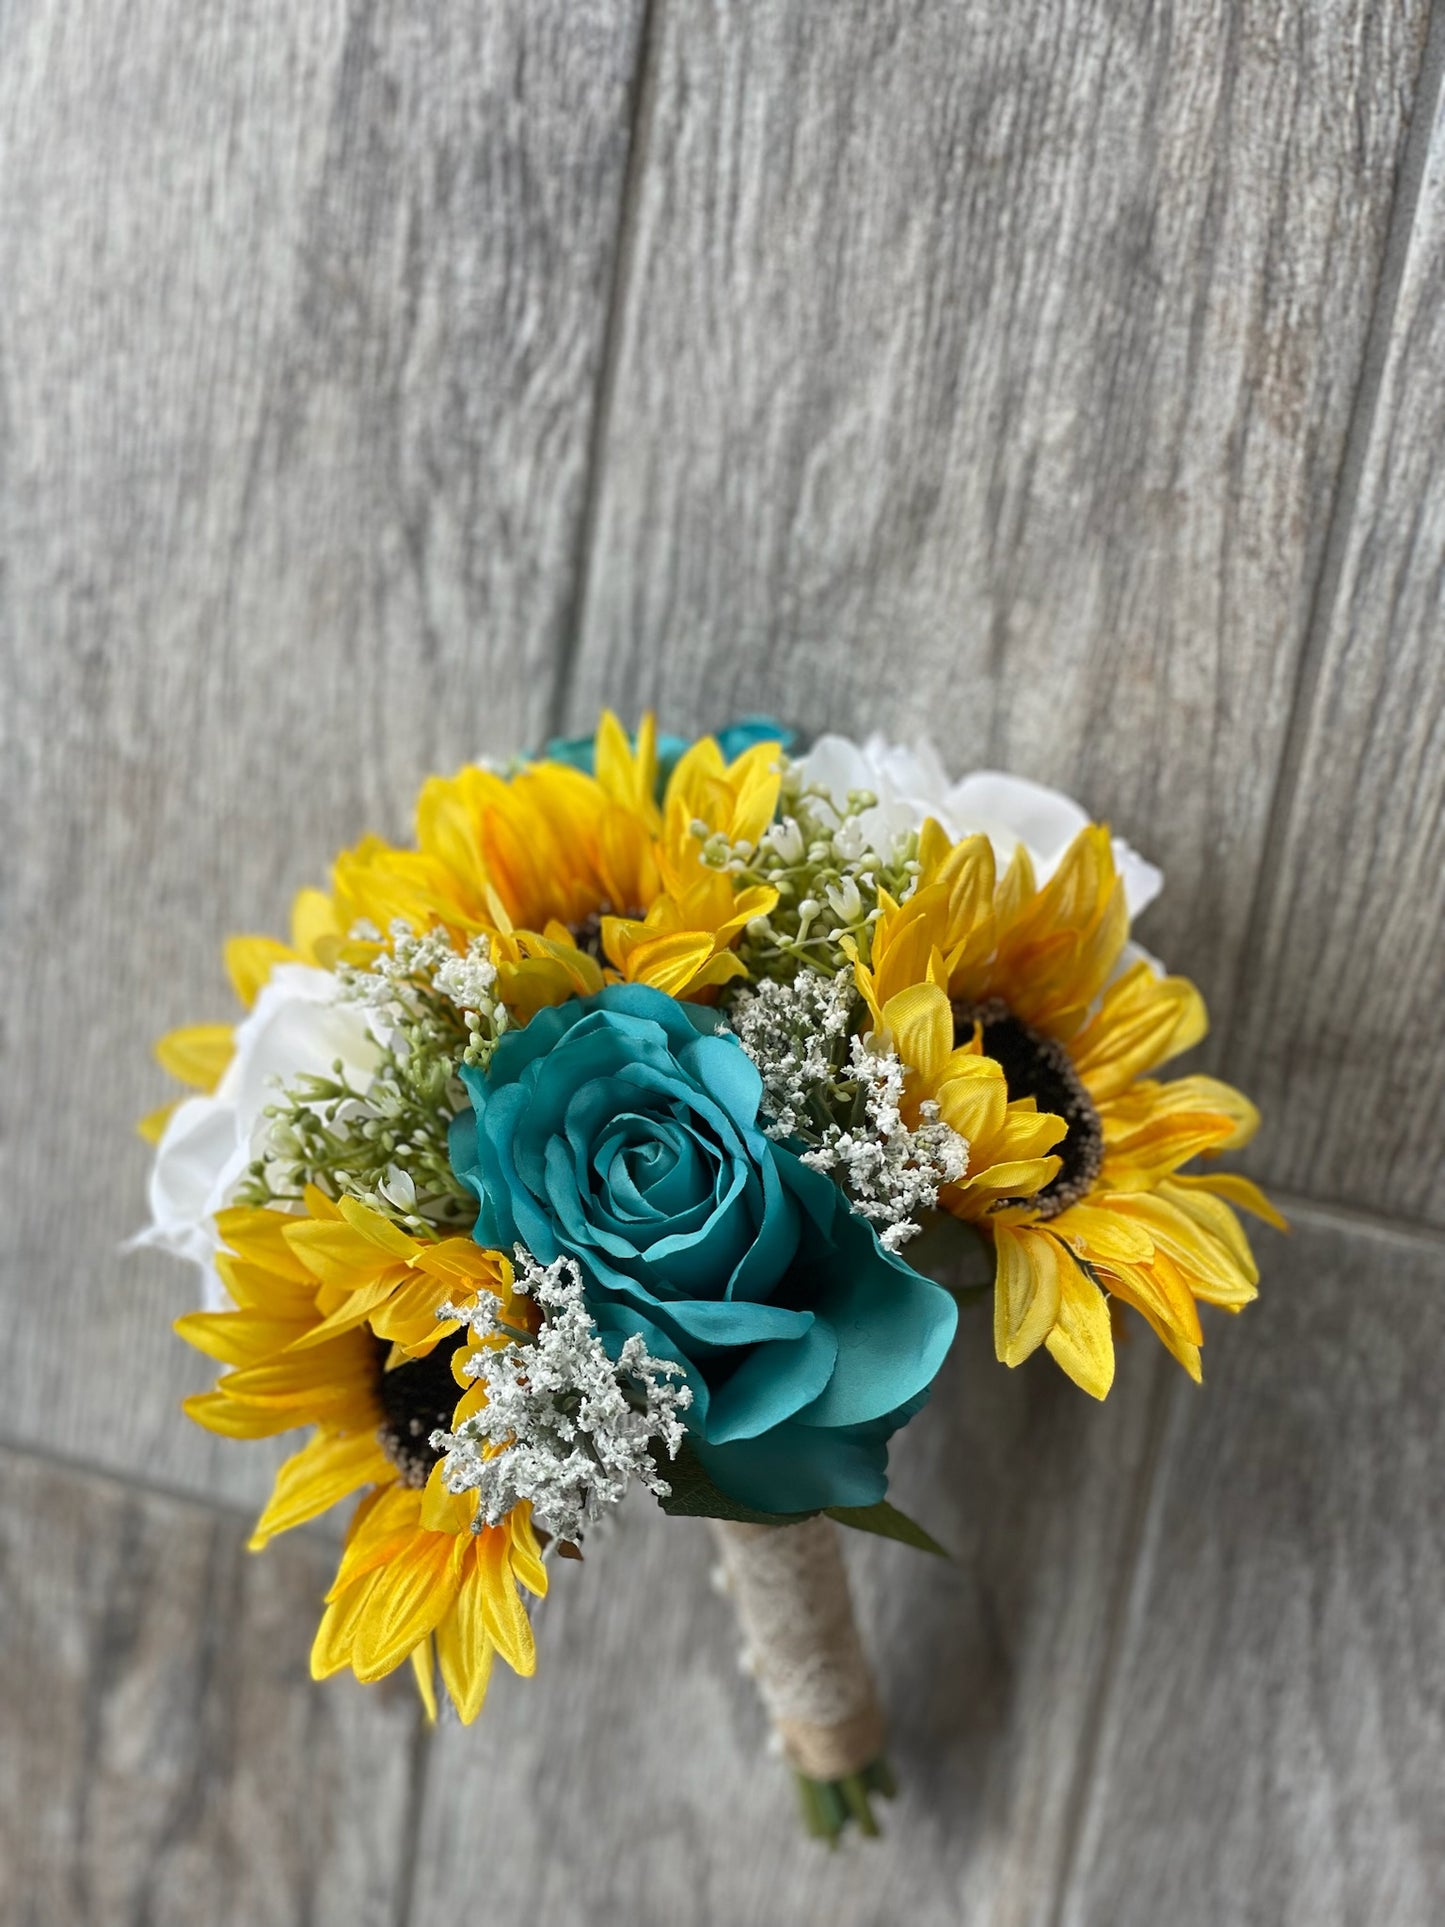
(912, 784)
(295, 1028)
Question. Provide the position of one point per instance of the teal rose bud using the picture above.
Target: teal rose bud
(622, 1131)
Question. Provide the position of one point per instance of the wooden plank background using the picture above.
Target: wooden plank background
(381, 385)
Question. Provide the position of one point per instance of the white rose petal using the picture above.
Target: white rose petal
(911, 785)
(295, 1028)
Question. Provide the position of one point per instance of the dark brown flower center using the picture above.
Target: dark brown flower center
(1040, 1067)
(418, 1398)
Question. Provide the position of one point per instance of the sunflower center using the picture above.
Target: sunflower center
(418, 1398)
(1040, 1067)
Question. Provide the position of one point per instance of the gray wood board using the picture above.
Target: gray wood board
(1344, 1037)
(302, 324)
(1272, 1751)
(987, 373)
(630, 1779)
(165, 1754)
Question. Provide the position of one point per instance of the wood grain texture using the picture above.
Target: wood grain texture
(630, 1781)
(1343, 1038)
(1272, 1751)
(302, 319)
(166, 1757)
(986, 373)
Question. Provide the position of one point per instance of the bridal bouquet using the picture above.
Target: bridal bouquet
(584, 1144)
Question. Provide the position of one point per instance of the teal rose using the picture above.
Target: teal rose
(622, 1131)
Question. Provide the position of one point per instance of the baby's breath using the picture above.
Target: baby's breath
(565, 1426)
(827, 876)
(891, 1173)
(842, 1099)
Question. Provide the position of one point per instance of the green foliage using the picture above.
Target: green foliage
(889, 1523)
(828, 1806)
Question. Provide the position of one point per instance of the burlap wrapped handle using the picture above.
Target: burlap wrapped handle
(791, 1594)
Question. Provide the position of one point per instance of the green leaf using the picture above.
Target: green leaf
(694, 1496)
(889, 1523)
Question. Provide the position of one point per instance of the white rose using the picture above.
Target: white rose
(295, 1028)
(912, 785)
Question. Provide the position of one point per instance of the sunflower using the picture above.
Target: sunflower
(580, 879)
(335, 1325)
(976, 968)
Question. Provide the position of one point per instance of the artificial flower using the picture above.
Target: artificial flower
(420, 1580)
(700, 1037)
(334, 1323)
(622, 1131)
(1033, 977)
(581, 878)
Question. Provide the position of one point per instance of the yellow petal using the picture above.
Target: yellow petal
(332, 1648)
(1238, 1190)
(329, 1469)
(669, 964)
(238, 1337)
(1017, 1177)
(528, 1566)
(338, 1254)
(152, 1127)
(381, 1525)
(250, 961)
(1142, 1020)
(1218, 1269)
(257, 1236)
(423, 1665)
(1159, 1293)
(444, 1511)
(377, 1230)
(196, 1055)
(414, 1590)
(315, 927)
(355, 1308)
(1026, 1292)
(464, 1652)
(503, 1613)
(628, 779)
(1081, 1342)
(1103, 1235)
(232, 1419)
(920, 1020)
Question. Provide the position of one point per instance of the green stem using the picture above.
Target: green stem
(828, 1806)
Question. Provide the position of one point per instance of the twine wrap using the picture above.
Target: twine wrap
(791, 1595)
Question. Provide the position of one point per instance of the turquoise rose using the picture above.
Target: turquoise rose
(732, 740)
(622, 1131)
